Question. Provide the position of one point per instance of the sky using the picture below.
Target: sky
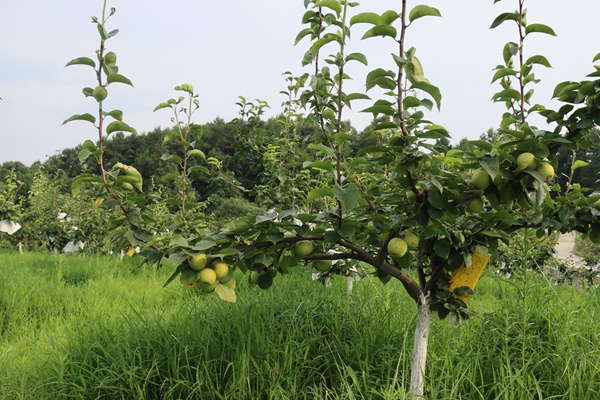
(227, 49)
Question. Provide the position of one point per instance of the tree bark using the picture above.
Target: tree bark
(419, 356)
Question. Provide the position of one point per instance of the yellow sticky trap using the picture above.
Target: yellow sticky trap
(464, 276)
(98, 202)
(130, 251)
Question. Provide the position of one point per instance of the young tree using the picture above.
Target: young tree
(427, 218)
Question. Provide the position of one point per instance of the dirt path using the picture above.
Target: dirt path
(564, 247)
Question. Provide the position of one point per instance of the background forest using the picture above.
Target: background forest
(249, 175)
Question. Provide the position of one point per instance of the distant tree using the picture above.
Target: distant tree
(582, 165)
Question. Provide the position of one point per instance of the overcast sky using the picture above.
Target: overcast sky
(240, 47)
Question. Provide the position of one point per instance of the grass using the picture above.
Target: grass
(75, 327)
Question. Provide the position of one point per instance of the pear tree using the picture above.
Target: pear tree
(401, 208)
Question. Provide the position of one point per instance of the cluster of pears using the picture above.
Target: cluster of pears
(304, 248)
(206, 276)
(398, 246)
(482, 180)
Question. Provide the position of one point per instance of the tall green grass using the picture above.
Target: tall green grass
(76, 327)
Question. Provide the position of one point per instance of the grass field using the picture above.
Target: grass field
(75, 327)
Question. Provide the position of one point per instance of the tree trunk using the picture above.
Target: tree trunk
(419, 356)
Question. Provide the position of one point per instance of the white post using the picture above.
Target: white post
(419, 356)
(21, 248)
(349, 283)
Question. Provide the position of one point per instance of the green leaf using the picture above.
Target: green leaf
(596, 58)
(81, 179)
(442, 248)
(204, 244)
(170, 176)
(81, 117)
(578, 164)
(225, 293)
(119, 126)
(388, 17)
(320, 192)
(265, 281)
(321, 147)
(178, 240)
(314, 49)
(198, 168)
(423, 11)
(180, 268)
(539, 28)
(112, 33)
(331, 237)
(116, 78)
(334, 5)
(513, 16)
(102, 32)
(507, 94)
(171, 136)
(302, 34)
(432, 90)
(87, 149)
(415, 71)
(196, 152)
(492, 166)
(437, 200)
(82, 61)
(348, 196)
(341, 137)
(502, 72)
(116, 114)
(365, 18)
(165, 104)
(76, 187)
(509, 51)
(487, 146)
(541, 60)
(326, 165)
(186, 87)
(357, 57)
(381, 30)
(380, 109)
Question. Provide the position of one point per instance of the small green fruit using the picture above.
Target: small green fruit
(597, 204)
(198, 262)
(254, 277)
(475, 205)
(303, 248)
(481, 179)
(208, 288)
(110, 59)
(397, 247)
(412, 240)
(323, 265)
(526, 160)
(546, 169)
(221, 269)
(410, 195)
(207, 277)
(99, 93)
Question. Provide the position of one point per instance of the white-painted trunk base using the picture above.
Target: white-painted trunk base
(349, 285)
(419, 356)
